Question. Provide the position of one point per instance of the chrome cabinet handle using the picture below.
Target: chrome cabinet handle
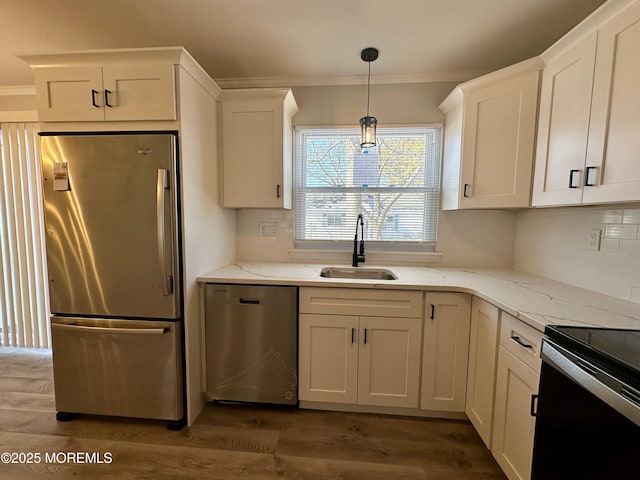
(161, 186)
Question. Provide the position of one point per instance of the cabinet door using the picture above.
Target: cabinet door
(328, 358)
(514, 427)
(498, 143)
(563, 127)
(139, 92)
(253, 154)
(66, 94)
(445, 352)
(483, 344)
(614, 142)
(389, 361)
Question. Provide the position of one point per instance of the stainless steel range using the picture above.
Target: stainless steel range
(588, 410)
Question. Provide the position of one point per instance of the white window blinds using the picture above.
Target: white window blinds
(395, 186)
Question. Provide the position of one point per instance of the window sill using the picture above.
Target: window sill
(377, 257)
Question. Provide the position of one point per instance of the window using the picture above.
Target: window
(395, 186)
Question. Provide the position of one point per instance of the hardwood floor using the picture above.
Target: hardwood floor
(226, 442)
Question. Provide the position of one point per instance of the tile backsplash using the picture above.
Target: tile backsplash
(465, 239)
(555, 243)
(551, 242)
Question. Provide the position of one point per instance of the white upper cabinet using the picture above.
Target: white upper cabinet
(613, 156)
(123, 92)
(489, 139)
(565, 100)
(257, 142)
(588, 146)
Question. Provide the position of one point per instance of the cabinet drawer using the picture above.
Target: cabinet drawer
(354, 301)
(522, 340)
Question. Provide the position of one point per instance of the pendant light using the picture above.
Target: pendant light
(368, 124)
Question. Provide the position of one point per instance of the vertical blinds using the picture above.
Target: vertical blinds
(395, 186)
(23, 289)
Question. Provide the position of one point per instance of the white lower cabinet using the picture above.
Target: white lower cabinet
(374, 348)
(513, 426)
(483, 345)
(445, 351)
(517, 379)
(360, 359)
(328, 358)
(389, 361)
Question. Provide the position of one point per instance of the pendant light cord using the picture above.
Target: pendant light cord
(368, 87)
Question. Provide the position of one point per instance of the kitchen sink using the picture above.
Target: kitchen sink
(358, 273)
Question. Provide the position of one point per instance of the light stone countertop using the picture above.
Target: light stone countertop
(535, 300)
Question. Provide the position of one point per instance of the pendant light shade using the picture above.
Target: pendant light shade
(368, 129)
(368, 123)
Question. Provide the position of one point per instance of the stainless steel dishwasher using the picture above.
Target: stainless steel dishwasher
(251, 343)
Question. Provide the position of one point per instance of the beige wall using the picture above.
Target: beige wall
(391, 104)
(17, 104)
(9, 103)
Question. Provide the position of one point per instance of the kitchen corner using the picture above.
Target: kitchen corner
(192, 223)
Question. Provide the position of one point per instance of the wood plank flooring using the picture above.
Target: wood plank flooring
(226, 442)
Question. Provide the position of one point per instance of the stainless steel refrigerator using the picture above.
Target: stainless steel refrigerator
(111, 204)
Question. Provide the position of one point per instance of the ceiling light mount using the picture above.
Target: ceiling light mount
(369, 54)
(368, 123)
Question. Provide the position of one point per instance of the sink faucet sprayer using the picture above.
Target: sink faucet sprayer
(358, 256)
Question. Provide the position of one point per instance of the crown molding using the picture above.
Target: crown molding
(21, 90)
(279, 82)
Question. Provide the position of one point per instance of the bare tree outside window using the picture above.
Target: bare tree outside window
(395, 185)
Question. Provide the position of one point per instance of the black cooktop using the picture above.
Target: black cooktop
(616, 350)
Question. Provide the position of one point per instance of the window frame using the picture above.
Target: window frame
(382, 245)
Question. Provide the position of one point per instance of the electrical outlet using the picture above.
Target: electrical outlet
(593, 239)
(268, 229)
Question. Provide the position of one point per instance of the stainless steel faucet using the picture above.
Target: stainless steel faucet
(358, 256)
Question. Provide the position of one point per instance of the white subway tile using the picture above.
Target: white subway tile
(602, 215)
(628, 232)
(631, 216)
(630, 247)
(611, 245)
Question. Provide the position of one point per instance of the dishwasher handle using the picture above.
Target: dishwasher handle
(249, 301)
(116, 330)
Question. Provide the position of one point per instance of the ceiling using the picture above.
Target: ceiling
(296, 42)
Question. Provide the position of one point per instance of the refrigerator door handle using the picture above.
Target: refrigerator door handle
(119, 331)
(162, 185)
